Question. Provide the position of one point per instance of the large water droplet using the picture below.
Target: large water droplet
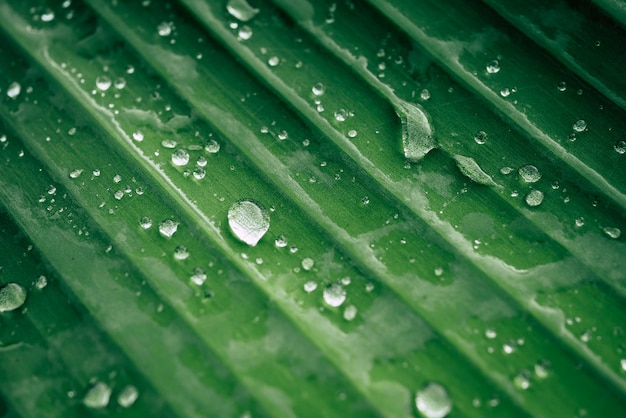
(433, 401)
(168, 227)
(612, 232)
(12, 296)
(103, 83)
(417, 132)
(529, 173)
(180, 157)
(248, 221)
(127, 396)
(241, 10)
(334, 295)
(470, 168)
(98, 396)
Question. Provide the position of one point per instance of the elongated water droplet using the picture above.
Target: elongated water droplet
(98, 396)
(529, 173)
(470, 168)
(612, 232)
(334, 295)
(168, 227)
(127, 396)
(417, 132)
(248, 221)
(241, 10)
(12, 296)
(433, 401)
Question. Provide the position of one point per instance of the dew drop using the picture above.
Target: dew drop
(417, 132)
(119, 83)
(280, 242)
(480, 137)
(248, 221)
(47, 16)
(241, 10)
(529, 173)
(103, 83)
(198, 276)
(199, 173)
(425, 94)
(493, 67)
(138, 136)
(534, 198)
(98, 396)
(340, 115)
(334, 295)
(273, 61)
(612, 232)
(145, 222)
(522, 380)
(181, 253)
(318, 89)
(490, 333)
(41, 282)
(505, 92)
(245, 33)
(168, 227)
(580, 125)
(12, 296)
(307, 263)
(350, 312)
(352, 133)
(127, 396)
(470, 169)
(164, 29)
(622, 364)
(620, 147)
(310, 286)
(180, 157)
(74, 174)
(14, 90)
(506, 170)
(433, 401)
(562, 86)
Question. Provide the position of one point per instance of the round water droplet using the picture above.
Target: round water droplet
(334, 295)
(248, 221)
(198, 276)
(622, 364)
(14, 90)
(164, 29)
(282, 135)
(534, 198)
(490, 333)
(199, 173)
(612, 232)
(340, 115)
(620, 147)
(98, 396)
(12, 296)
(245, 33)
(508, 347)
(522, 380)
(119, 83)
(280, 242)
(180, 157)
(580, 125)
(433, 401)
(480, 137)
(241, 10)
(181, 253)
(138, 136)
(310, 286)
(145, 222)
(542, 369)
(425, 94)
(307, 263)
(318, 89)
(212, 146)
(168, 227)
(127, 396)
(349, 313)
(273, 61)
(352, 133)
(493, 67)
(529, 173)
(103, 83)
(562, 86)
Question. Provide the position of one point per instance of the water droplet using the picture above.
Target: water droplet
(470, 168)
(14, 90)
(307, 263)
(47, 16)
(248, 221)
(318, 89)
(349, 313)
(490, 333)
(542, 369)
(241, 10)
(168, 227)
(579, 222)
(280, 242)
(620, 147)
(103, 83)
(181, 253)
(534, 198)
(529, 173)
(118, 194)
(508, 347)
(282, 135)
(505, 92)
(334, 295)
(199, 173)
(245, 33)
(580, 125)
(417, 132)
(12, 296)
(74, 174)
(180, 157)
(119, 83)
(98, 396)
(522, 380)
(425, 94)
(612, 232)
(622, 364)
(41, 282)
(212, 146)
(198, 276)
(117, 178)
(127, 396)
(480, 137)
(493, 67)
(164, 29)
(138, 136)
(506, 170)
(352, 133)
(310, 286)
(562, 86)
(273, 61)
(145, 222)
(340, 115)
(433, 401)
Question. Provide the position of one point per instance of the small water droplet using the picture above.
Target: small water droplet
(310, 286)
(612, 232)
(103, 83)
(529, 173)
(74, 174)
(334, 295)
(620, 147)
(480, 137)
(425, 94)
(506, 170)
(580, 125)
(282, 135)
(273, 61)
(138, 136)
(198, 276)
(41, 282)
(14, 90)
(248, 221)
(505, 92)
(534, 198)
(145, 222)
(47, 16)
(164, 29)
(349, 313)
(168, 227)
(562, 86)
(318, 89)
(579, 222)
(508, 347)
(493, 67)
(280, 242)
(340, 115)
(542, 369)
(522, 380)
(622, 364)
(470, 169)
(490, 333)
(245, 33)
(119, 83)
(433, 401)
(98, 396)
(307, 263)
(12, 296)
(127, 396)
(352, 133)
(181, 253)
(241, 10)
(180, 157)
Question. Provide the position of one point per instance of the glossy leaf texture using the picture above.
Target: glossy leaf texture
(331, 208)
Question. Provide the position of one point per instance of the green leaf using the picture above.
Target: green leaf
(276, 208)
